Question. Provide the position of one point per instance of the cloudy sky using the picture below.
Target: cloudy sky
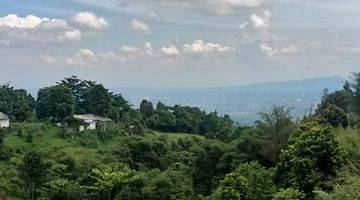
(177, 42)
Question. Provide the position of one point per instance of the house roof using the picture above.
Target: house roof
(3, 116)
(91, 117)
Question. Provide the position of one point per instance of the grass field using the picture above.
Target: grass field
(46, 139)
(86, 150)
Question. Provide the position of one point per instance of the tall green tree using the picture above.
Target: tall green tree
(54, 103)
(97, 100)
(275, 127)
(250, 181)
(311, 159)
(33, 171)
(146, 108)
(77, 88)
(17, 104)
(109, 178)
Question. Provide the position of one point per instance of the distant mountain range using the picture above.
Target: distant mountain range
(243, 103)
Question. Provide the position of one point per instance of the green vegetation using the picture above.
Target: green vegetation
(174, 152)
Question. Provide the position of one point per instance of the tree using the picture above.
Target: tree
(340, 98)
(166, 120)
(97, 100)
(33, 171)
(250, 181)
(54, 103)
(311, 159)
(17, 104)
(172, 184)
(120, 105)
(64, 189)
(78, 88)
(146, 108)
(333, 115)
(212, 161)
(109, 178)
(275, 127)
(355, 98)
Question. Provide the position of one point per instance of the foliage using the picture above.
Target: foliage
(250, 181)
(289, 194)
(212, 161)
(310, 160)
(146, 108)
(33, 172)
(339, 98)
(333, 115)
(275, 128)
(54, 103)
(63, 189)
(17, 104)
(105, 180)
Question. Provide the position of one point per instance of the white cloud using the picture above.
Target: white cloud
(84, 57)
(15, 30)
(261, 20)
(200, 47)
(257, 26)
(272, 51)
(13, 21)
(170, 50)
(139, 26)
(227, 6)
(72, 35)
(90, 20)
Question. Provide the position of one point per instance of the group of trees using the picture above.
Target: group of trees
(73, 95)
(17, 104)
(191, 168)
(277, 158)
(186, 119)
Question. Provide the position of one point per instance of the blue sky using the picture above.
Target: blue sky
(177, 42)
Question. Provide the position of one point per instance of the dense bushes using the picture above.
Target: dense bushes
(311, 159)
(249, 181)
(276, 158)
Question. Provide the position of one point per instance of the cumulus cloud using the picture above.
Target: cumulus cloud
(90, 20)
(272, 51)
(261, 20)
(71, 35)
(202, 48)
(257, 30)
(170, 50)
(86, 57)
(82, 57)
(13, 21)
(15, 30)
(139, 26)
(227, 6)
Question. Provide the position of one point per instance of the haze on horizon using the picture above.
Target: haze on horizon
(177, 42)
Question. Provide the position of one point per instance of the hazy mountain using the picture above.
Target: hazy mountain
(243, 102)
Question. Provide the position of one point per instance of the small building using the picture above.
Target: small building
(4, 120)
(91, 121)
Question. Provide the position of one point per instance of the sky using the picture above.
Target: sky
(124, 43)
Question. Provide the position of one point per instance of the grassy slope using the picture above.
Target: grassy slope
(47, 139)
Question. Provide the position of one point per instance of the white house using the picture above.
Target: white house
(4, 120)
(90, 121)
